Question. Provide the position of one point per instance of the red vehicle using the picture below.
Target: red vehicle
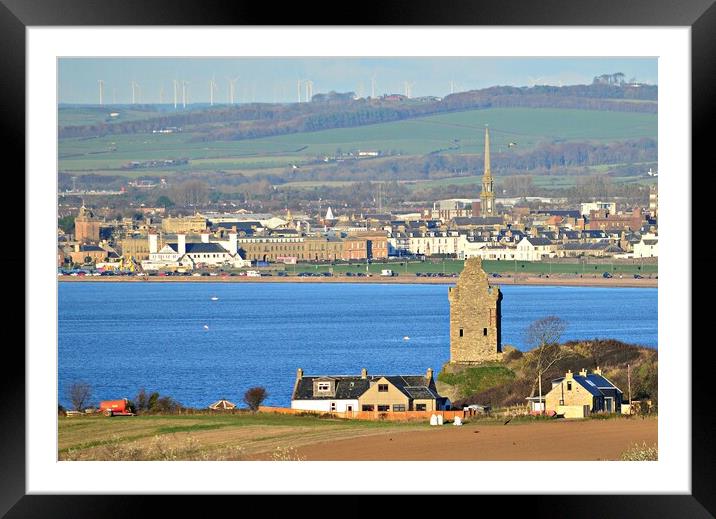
(115, 408)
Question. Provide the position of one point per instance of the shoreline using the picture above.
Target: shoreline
(414, 280)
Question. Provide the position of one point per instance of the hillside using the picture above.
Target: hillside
(452, 134)
(509, 383)
(328, 111)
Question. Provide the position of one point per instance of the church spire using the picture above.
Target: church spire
(488, 173)
(487, 196)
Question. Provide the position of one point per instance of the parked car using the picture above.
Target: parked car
(607, 275)
(638, 276)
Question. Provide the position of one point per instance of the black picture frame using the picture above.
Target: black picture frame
(699, 15)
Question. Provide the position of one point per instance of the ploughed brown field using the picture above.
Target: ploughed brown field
(586, 440)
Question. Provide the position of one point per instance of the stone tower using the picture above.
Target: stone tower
(487, 195)
(474, 317)
(86, 226)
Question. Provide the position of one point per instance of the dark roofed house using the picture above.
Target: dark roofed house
(374, 393)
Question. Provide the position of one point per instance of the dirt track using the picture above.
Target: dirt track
(557, 440)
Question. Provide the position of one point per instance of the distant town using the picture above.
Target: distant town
(172, 240)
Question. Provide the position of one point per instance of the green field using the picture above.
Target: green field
(452, 266)
(88, 115)
(459, 132)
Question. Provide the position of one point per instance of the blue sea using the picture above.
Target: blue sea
(173, 338)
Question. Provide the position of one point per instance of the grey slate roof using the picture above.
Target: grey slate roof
(538, 242)
(352, 387)
(200, 248)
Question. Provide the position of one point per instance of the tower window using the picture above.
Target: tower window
(461, 332)
(484, 332)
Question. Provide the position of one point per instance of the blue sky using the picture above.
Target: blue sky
(275, 79)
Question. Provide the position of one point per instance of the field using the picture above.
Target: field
(260, 436)
(450, 266)
(210, 436)
(459, 132)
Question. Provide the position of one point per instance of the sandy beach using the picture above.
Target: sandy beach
(554, 280)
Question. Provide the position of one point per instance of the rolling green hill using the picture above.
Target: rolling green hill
(454, 133)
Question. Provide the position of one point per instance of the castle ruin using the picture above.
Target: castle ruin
(474, 317)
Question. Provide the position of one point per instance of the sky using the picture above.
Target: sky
(275, 79)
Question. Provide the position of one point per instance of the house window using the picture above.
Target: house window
(399, 408)
(484, 331)
(461, 332)
(324, 386)
(333, 406)
(383, 408)
(382, 388)
(561, 402)
(420, 407)
(367, 407)
(569, 386)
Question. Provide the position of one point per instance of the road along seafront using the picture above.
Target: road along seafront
(554, 280)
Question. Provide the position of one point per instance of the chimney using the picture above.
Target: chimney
(299, 374)
(205, 236)
(598, 371)
(181, 244)
(364, 373)
(569, 375)
(233, 242)
(152, 242)
(429, 374)
(583, 372)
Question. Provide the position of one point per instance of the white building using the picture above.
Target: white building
(328, 394)
(534, 249)
(588, 207)
(647, 247)
(436, 242)
(194, 255)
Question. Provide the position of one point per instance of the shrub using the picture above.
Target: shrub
(254, 397)
(641, 452)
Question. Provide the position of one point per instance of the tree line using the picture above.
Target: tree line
(265, 119)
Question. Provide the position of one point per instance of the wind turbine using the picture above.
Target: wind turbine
(101, 91)
(183, 92)
(372, 87)
(309, 89)
(408, 89)
(175, 94)
(134, 95)
(212, 87)
(298, 89)
(232, 89)
(533, 81)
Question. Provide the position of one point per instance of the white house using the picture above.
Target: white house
(534, 249)
(647, 247)
(328, 394)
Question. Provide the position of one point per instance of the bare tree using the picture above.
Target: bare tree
(191, 193)
(254, 397)
(543, 336)
(79, 394)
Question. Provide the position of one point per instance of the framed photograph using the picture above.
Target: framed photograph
(256, 260)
